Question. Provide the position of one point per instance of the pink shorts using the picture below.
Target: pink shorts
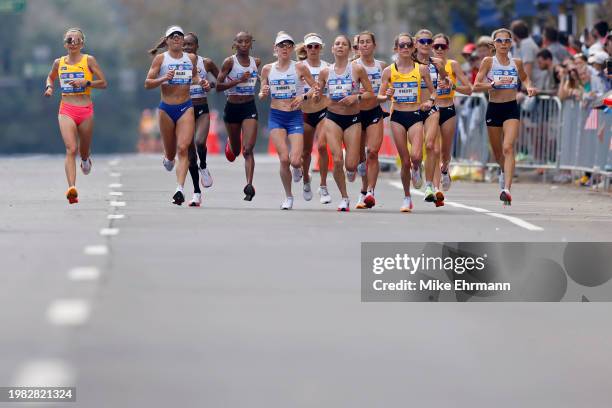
(78, 114)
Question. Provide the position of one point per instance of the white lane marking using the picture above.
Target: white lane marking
(514, 220)
(115, 193)
(115, 185)
(113, 162)
(45, 373)
(109, 232)
(84, 273)
(117, 203)
(96, 250)
(115, 216)
(68, 312)
(115, 174)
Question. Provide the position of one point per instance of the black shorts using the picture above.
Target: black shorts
(446, 113)
(406, 119)
(200, 110)
(344, 121)
(498, 113)
(371, 117)
(238, 112)
(426, 114)
(314, 118)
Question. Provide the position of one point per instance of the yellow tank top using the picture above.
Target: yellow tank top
(69, 72)
(407, 86)
(448, 93)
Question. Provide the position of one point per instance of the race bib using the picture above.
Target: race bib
(283, 88)
(247, 87)
(375, 80)
(505, 78)
(444, 88)
(433, 74)
(65, 79)
(405, 92)
(182, 74)
(196, 91)
(339, 88)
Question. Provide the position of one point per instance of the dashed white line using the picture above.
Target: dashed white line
(115, 185)
(514, 220)
(109, 232)
(117, 203)
(96, 250)
(68, 312)
(115, 193)
(115, 216)
(113, 162)
(84, 273)
(45, 373)
(114, 174)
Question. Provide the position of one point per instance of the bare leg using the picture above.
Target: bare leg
(352, 143)
(322, 148)
(85, 130)
(401, 143)
(184, 137)
(309, 134)
(249, 138)
(431, 134)
(166, 128)
(496, 136)
(69, 132)
(333, 135)
(511, 131)
(279, 138)
(374, 140)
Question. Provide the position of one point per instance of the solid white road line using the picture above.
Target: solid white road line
(115, 193)
(96, 250)
(45, 373)
(68, 312)
(113, 162)
(115, 216)
(117, 203)
(115, 185)
(514, 220)
(109, 232)
(84, 273)
(114, 174)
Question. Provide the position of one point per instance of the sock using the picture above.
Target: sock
(179, 188)
(202, 151)
(364, 192)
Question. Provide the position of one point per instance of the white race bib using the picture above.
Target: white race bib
(406, 92)
(340, 88)
(283, 88)
(182, 74)
(505, 78)
(65, 80)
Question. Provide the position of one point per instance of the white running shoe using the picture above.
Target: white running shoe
(168, 164)
(324, 194)
(344, 205)
(307, 192)
(205, 178)
(417, 179)
(287, 204)
(351, 176)
(86, 166)
(445, 180)
(196, 200)
(297, 174)
(502, 180)
(362, 169)
(361, 203)
(406, 205)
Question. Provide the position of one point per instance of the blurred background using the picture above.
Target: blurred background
(119, 32)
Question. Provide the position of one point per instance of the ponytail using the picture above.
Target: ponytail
(300, 52)
(160, 45)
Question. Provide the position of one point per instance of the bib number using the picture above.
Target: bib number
(505, 78)
(247, 87)
(182, 74)
(283, 88)
(405, 92)
(340, 88)
(196, 91)
(65, 80)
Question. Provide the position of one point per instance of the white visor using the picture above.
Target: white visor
(313, 39)
(283, 37)
(174, 29)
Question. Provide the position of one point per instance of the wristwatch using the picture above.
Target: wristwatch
(88, 84)
(432, 98)
(305, 97)
(359, 98)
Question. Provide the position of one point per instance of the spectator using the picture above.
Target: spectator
(597, 62)
(545, 81)
(466, 53)
(564, 40)
(526, 48)
(484, 48)
(570, 86)
(608, 47)
(598, 34)
(551, 43)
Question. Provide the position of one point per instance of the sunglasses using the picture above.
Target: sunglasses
(503, 40)
(313, 46)
(440, 47)
(425, 41)
(404, 45)
(285, 44)
(175, 36)
(355, 47)
(73, 40)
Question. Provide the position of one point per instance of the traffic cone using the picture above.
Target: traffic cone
(213, 146)
(271, 148)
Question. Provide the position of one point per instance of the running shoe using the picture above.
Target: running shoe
(362, 169)
(417, 179)
(178, 198)
(168, 164)
(439, 199)
(72, 195)
(324, 194)
(345, 205)
(502, 180)
(196, 200)
(407, 205)
(229, 155)
(297, 174)
(429, 194)
(205, 178)
(506, 197)
(445, 180)
(249, 192)
(369, 200)
(361, 205)
(351, 176)
(86, 166)
(307, 192)
(287, 204)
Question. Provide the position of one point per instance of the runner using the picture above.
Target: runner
(314, 112)
(401, 83)
(238, 78)
(372, 123)
(342, 122)
(76, 74)
(206, 67)
(499, 75)
(447, 115)
(175, 71)
(282, 81)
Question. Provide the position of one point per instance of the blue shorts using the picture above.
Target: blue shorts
(175, 111)
(292, 122)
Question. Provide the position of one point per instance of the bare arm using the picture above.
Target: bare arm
(525, 78)
(99, 83)
(305, 74)
(386, 91)
(480, 83)
(225, 70)
(152, 80)
(211, 68)
(465, 87)
(264, 92)
(51, 78)
(368, 92)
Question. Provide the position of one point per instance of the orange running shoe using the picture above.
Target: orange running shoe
(72, 195)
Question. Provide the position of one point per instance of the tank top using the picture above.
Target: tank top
(285, 85)
(195, 90)
(342, 85)
(243, 88)
(314, 71)
(407, 89)
(433, 74)
(448, 93)
(506, 76)
(182, 67)
(68, 73)
(374, 74)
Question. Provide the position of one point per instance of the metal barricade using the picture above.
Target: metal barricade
(471, 144)
(539, 133)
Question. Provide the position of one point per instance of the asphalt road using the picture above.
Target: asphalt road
(240, 304)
